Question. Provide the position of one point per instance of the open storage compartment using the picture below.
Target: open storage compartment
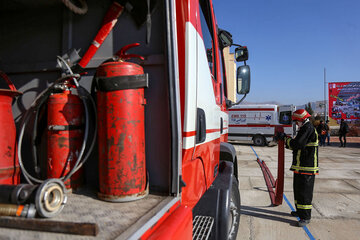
(32, 35)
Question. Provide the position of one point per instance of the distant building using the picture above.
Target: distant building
(318, 107)
(230, 69)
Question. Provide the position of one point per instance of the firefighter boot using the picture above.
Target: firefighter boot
(303, 222)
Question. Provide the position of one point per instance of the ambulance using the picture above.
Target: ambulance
(257, 123)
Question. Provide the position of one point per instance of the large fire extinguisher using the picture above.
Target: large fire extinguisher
(121, 130)
(65, 121)
(9, 165)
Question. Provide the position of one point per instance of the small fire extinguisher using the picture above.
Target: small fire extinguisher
(64, 134)
(71, 121)
(121, 129)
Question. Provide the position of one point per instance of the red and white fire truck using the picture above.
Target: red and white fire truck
(191, 170)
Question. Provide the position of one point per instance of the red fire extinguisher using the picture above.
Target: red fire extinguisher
(9, 165)
(64, 135)
(121, 130)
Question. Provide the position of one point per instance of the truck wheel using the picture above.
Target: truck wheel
(259, 140)
(234, 218)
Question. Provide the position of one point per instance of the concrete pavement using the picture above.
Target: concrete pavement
(336, 202)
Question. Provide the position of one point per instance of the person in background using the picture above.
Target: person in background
(344, 129)
(321, 132)
(305, 164)
(327, 128)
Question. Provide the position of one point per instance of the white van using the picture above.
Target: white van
(257, 123)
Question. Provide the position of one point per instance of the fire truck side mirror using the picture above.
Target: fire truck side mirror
(225, 38)
(243, 79)
(241, 54)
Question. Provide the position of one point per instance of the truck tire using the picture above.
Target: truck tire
(259, 140)
(234, 216)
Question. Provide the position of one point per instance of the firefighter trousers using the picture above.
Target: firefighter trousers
(303, 193)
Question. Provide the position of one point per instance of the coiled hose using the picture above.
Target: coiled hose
(89, 105)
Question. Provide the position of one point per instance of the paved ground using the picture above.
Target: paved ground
(336, 203)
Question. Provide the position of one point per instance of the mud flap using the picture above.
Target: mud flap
(216, 201)
(228, 153)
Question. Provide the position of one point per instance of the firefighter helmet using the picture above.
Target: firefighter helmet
(300, 115)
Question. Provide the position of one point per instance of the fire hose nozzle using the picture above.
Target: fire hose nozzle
(50, 198)
(24, 200)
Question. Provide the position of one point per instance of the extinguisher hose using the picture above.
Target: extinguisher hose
(88, 102)
(84, 95)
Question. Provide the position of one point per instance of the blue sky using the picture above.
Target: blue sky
(290, 43)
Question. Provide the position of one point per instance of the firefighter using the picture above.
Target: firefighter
(304, 165)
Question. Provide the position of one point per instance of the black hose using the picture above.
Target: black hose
(42, 101)
(88, 102)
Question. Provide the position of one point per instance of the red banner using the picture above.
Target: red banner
(344, 100)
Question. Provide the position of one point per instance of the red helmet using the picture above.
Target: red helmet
(300, 115)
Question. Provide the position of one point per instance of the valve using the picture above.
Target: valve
(121, 55)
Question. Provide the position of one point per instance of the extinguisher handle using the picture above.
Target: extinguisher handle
(8, 81)
(121, 54)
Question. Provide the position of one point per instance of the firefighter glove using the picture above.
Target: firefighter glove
(280, 136)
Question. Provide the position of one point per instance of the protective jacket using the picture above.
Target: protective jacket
(305, 150)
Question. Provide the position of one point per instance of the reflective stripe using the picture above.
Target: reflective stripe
(306, 173)
(304, 206)
(315, 159)
(300, 115)
(298, 158)
(315, 154)
(314, 144)
(312, 169)
(288, 143)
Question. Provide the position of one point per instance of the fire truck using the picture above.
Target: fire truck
(190, 183)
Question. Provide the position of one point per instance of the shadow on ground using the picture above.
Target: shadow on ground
(267, 214)
(273, 144)
(348, 145)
